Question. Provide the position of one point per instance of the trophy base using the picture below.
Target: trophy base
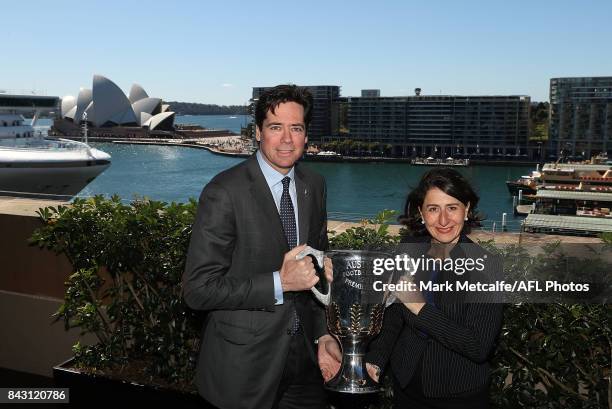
(360, 386)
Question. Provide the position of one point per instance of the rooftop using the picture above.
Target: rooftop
(574, 166)
(573, 195)
(569, 223)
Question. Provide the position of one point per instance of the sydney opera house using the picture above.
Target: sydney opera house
(107, 110)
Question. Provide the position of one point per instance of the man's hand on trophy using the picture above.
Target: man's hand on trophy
(297, 275)
(329, 269)
(373, 371)
(329, 356)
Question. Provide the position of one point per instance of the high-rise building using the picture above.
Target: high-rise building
(323, 98)
(439, 125)
(423, 125)
(580, 116)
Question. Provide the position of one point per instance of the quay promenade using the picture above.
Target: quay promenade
(28, 207)
(238, 147)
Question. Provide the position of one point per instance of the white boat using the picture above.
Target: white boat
(329, 153)
(37, 166)
(430, 161)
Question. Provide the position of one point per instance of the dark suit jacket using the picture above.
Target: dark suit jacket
(453, 358)
(236, 244)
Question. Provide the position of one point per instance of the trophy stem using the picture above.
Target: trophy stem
(353, 376)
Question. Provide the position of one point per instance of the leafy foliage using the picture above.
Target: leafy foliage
(553, 356)
(128, 262)
(538, 121)
(373, 233)
(606, 237)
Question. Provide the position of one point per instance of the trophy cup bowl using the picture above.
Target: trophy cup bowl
(354, 313)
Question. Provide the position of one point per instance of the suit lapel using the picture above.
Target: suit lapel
(263, 200)
(304, 207)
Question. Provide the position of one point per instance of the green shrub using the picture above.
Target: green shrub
(553, 356)
(128, 262)
(373, 233)
(606, 237)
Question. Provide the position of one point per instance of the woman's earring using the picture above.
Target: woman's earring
(465, 218)
(422, 221)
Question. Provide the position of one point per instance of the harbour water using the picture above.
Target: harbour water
(355, 190)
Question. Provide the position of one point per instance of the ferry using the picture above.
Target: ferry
(323, 156)
(329, 154)
(570, 198)
(450, 161)
(587, 177)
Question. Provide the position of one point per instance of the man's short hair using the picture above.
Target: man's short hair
(270, 99)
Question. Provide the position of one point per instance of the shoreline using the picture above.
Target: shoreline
(20, 207)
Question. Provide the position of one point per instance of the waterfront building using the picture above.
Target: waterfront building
(324, 97)
(28, 104)
(438, 125)
(580, 117)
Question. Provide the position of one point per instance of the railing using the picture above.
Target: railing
(497, 226)
(42, 144)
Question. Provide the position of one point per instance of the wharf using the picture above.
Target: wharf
(575, 225)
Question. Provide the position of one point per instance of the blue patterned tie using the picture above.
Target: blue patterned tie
(287, 216)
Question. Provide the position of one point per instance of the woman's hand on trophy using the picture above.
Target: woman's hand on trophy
(329, 269)
(407, 292)
(330, 357)
(373, 371)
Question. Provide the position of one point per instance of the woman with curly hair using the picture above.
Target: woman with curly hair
(437, 347)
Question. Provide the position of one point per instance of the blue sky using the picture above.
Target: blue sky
(215, 52)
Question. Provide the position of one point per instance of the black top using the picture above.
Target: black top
(446, 346)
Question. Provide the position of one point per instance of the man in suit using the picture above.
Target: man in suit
(260, 333)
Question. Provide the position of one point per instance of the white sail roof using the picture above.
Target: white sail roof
(68, 102)
(165, 119)
(137, 93)
(111, 105)
(151, 106)
(83, 101)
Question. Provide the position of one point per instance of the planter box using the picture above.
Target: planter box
(88, 389)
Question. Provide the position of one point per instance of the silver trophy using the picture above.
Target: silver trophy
(354, 312)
